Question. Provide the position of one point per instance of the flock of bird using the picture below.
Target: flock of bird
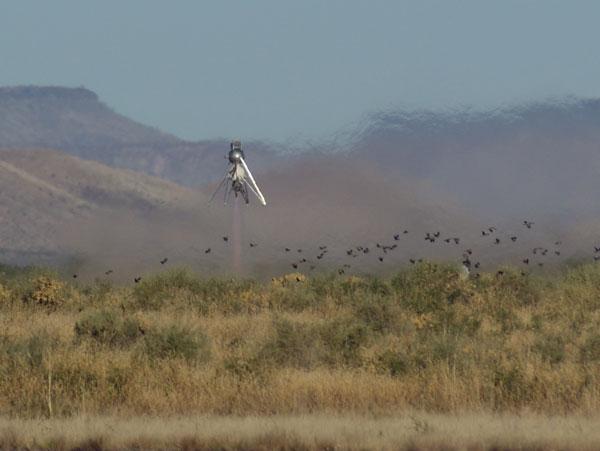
(308, 260)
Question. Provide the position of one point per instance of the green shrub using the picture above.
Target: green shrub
(342, 340)
(551, 348)
(590, 350)
(512, 288)
(107, 326)
(28, 349)
(159, 290)
(380, 314)
(429, 287)
(395, 363)
(294, 344)
(177, 341)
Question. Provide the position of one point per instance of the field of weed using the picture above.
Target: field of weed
(176, 344)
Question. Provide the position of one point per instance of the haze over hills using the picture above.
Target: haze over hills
(452, 172)
(75, 121)
(539, 159)
(56, 208)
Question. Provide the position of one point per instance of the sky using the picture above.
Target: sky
(299, 71)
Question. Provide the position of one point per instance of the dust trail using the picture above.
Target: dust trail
(237, 238)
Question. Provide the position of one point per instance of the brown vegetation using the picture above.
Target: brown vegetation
(423, 340)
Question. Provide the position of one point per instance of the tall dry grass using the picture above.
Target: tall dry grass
(177, 344)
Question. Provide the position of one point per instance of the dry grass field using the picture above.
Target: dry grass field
(424, 359)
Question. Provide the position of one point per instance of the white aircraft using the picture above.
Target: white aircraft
(238, 178)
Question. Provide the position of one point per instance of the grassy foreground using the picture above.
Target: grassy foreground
(179, 345)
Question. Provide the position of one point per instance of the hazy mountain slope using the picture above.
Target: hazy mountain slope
(69, 119)
(55, 206)
(73, 120)
(539, 159)
(43, 194)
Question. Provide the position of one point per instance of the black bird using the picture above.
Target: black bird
(320, 256)
(412, 261)
(137, 279)
(497, 241)
(287, 249)
(596, 257)
(544, 252)
(366, 250)
(528, 224)
(346, 265)
(436, 234)
(322, 247)
(596, 249)
(540, 264)
(491, 229)
(500, 273)
(526, 261)
(303, 260)
(456, 240)
(469, 251)
(477, 264)
(380, 259)
(108, 272)
(447, 240)
(299, 250)
(513, 238)
(294, 265)
(163, 261)
(253, 244)
(557, 253)
(484, 233)
(405, 232)
(207, 251)
(558, 243)
(396, 237)
(340, 272)
(74, 276)
(226, 239)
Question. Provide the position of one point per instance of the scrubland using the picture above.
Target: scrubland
(400, 352)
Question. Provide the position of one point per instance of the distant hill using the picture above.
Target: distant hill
(453, 172)
(58, 208)
(540, 159)
(45, 195)
(75, 121)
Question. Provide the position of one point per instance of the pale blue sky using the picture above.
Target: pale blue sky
(301, 70)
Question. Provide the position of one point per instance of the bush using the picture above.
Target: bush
(342, 340)
(551, 348)
(395, 363)
(156, 291)
(47, 292)
(429, 287)
(177, 341)
(108, 327)
(28, 349)
(510, 288)
(590, 350)
(293, 345)
(380, 314)
(181, 289)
